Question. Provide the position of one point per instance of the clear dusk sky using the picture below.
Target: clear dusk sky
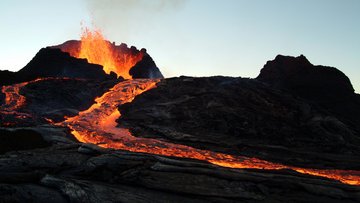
(193, 37)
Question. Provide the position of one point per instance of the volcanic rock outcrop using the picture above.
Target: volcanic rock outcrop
(326, 87)
(238, 115)
(55, 63)
(145, 68)
(303, 78)
(268, 118)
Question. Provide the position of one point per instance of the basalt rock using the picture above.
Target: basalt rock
(53, 99)
(55, 63)
(62, 173)
(56, 98)
(324, 86)
(248, 117)
(300, 76)
(22, 139)
(145, 68)
(242, 116)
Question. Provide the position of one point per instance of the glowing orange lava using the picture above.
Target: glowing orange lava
(97, 125)
(13, 99)
(96, 49)
(13, 102)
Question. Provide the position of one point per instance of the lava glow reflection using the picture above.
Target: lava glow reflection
(97, 125)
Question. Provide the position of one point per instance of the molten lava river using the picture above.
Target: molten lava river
(97, 125)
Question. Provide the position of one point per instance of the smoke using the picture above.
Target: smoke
(129, 17)
(126, 5)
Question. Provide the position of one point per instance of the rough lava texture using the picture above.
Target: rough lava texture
(55, 98)
(243, 116)
(324, 86)
(42, 162)
(73, 172)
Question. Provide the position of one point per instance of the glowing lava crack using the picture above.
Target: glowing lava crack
(96, 49)
(97, 125)
(15, 101)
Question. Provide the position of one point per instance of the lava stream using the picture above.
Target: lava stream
(97, 125)
(14, 101)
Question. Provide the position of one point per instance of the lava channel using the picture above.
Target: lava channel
(15, 101)
(97, 125)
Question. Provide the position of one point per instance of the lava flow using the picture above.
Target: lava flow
(14, 101)
(97, 50)
(97, 125)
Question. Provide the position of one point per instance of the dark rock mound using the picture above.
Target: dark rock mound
(56, 98)
(324, 86)
(8, 77)
(236, 115)
(55, 63)
(23, 139)
(300, 76)
(53, 99)
(145, 68)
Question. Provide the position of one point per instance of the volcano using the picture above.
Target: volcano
(92, 121)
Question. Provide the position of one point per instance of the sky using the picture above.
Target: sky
(193, 37)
